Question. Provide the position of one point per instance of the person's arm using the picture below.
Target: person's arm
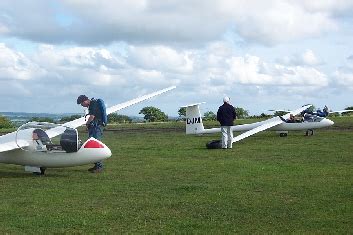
(90, 119)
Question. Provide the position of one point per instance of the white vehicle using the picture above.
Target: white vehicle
(194, 124)
(33, 144)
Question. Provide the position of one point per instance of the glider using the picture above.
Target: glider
(194, 124)
(32, 144)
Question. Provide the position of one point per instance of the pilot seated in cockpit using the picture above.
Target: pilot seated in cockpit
(293, 119)
(310, 116)
(323, 113)
(41, 139)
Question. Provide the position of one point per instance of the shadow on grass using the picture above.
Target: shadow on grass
(9, 174)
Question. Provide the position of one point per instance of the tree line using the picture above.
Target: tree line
(151, 114)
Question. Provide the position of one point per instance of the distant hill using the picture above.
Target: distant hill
(19, 118)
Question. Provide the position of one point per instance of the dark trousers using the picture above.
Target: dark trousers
(96, 132)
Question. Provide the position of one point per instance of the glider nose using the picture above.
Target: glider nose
(328, 122)
(100, 150)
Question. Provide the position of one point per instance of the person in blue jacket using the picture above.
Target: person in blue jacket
(93, 124)
(226, 115)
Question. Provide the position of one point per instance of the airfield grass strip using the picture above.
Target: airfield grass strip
(167, 182)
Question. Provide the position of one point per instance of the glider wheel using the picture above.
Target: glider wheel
(309, 132)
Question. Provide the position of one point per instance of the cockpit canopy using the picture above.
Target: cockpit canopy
(312, 118)
(38, 139)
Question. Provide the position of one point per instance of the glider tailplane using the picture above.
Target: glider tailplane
(193, 120)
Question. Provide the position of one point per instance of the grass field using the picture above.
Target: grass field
(161, 181)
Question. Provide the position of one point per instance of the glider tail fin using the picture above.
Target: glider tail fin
(193, 120)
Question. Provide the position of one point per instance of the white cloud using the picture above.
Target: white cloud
(246, 70)
(166, 22)
(344, 74)
(339, 6)
(84, 57)
(160, 58)
(307, 58)
(213, 70)
(14, 65)
(272, 22)
(252, 70)
(344, 78)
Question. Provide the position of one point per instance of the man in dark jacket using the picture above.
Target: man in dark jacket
(226, 115)
(94, 124)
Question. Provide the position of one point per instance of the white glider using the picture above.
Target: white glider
(31, 145)
(194, 124)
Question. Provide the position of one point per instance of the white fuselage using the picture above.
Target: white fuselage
(55, 158)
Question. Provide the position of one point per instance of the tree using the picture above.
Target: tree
(5, 122)
(241, 113)
(262, 115)
(69, 118)
(118, 118)
(153, 114)
(209, 116)
(42, 119)
(182, 113)
(280, 113)
(348, 113)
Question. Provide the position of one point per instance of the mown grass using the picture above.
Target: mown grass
(166, 182)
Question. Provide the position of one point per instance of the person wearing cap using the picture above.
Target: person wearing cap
(94, 126)
(226, 115)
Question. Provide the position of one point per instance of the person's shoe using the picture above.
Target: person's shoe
(97, 170)
(92, 169)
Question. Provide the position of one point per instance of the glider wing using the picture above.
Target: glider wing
(81, 121)
(341, 111)
(8, 141)
(268, 124)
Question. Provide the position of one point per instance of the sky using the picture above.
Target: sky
(273, 54)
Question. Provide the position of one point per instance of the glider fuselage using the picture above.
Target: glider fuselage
(324, 122)
(85, 155)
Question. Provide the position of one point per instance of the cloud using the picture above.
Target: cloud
(15, 66)
(344, 74)
(169, 22)
(344, 78)
(160, 58)
(82, 57)
(251, 70)
(274, 22)
(307, 58)
(350, 61)
(339, 8)
(201, 74)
